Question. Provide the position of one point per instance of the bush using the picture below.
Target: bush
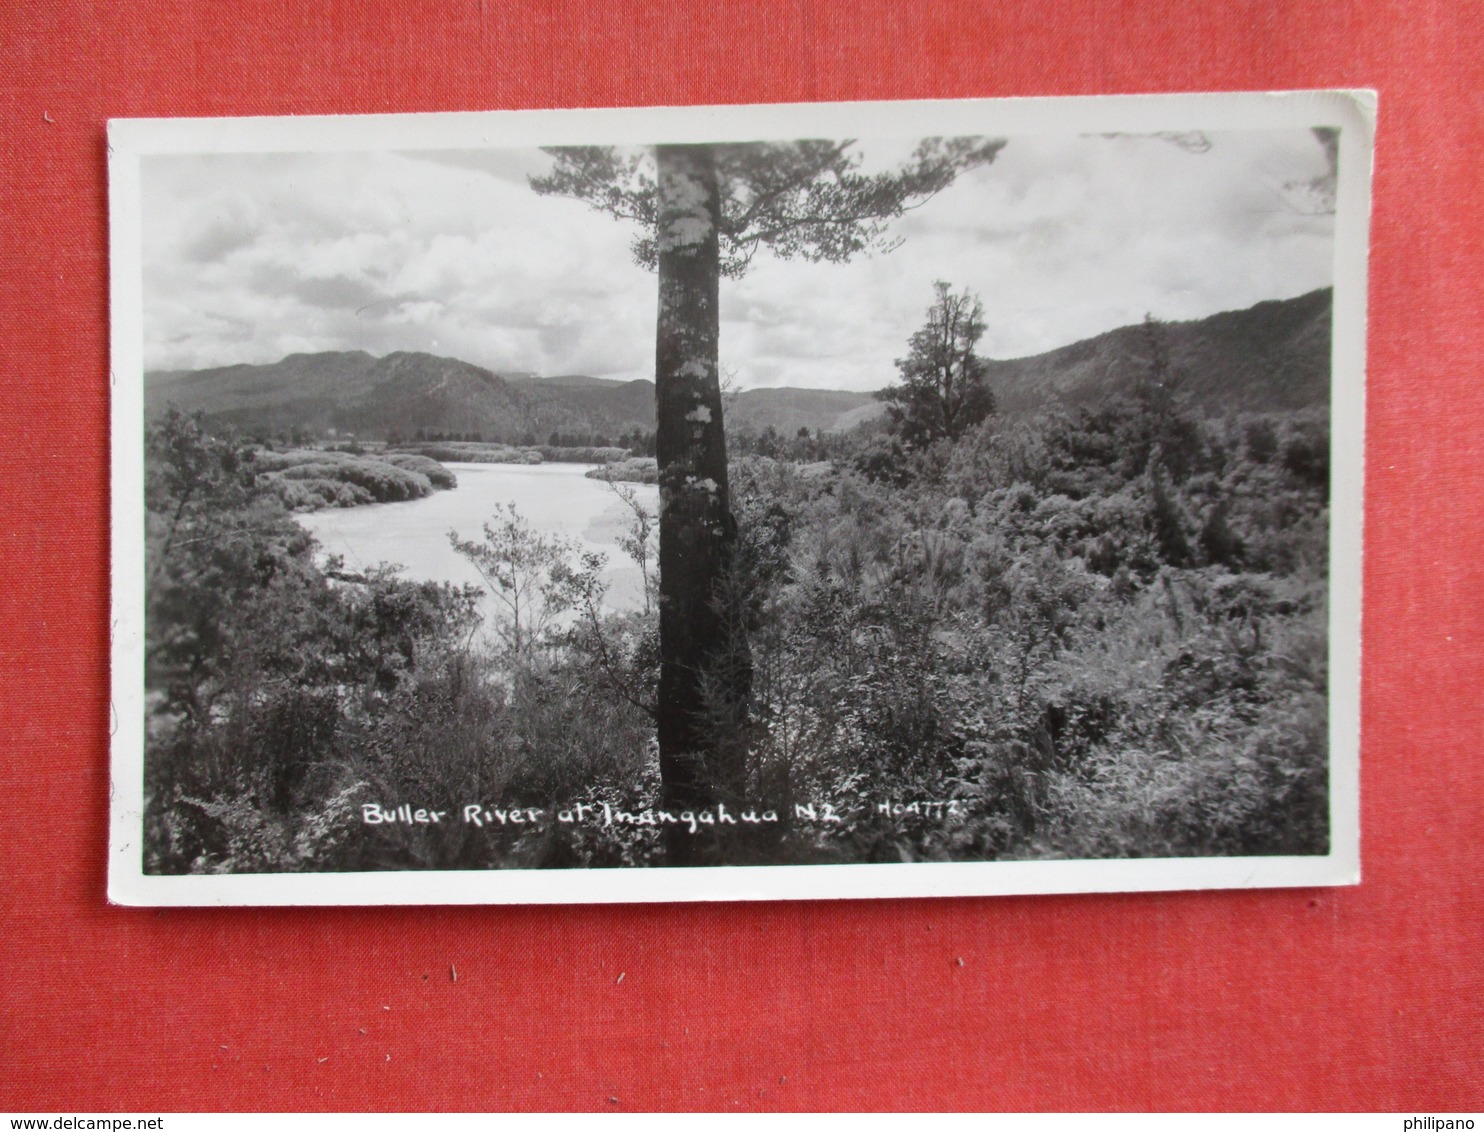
(439, 476)
(634, 469)
(342, 479)
(470, 452)
(1095, 634)
(384, 482)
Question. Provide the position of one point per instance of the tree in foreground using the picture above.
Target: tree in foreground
(704, 211)
(523, 569)
(943, 392)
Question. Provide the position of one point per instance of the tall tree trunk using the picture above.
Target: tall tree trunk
(704, 668)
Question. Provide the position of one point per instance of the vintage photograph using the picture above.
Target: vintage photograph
(743, 502)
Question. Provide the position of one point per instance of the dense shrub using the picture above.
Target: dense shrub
(436, 473)
(386, 483)
(582, 454)
(308, 479)
(1094, 653)
(471, 452)
(1097, 633)
(313, 494)
(634, 469)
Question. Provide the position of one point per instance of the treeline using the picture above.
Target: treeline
(470, 452)
(803, 447)
(640, 442)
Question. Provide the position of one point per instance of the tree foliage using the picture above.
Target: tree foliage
(799, 199)
(943, 392)
(260, 667)
(528, 574)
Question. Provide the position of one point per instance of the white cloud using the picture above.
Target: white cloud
(250, 257)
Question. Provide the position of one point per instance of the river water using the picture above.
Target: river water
(555, 498)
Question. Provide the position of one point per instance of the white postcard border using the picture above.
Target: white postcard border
(129, 140)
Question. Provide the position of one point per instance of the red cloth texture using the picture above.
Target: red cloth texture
(1365, 997)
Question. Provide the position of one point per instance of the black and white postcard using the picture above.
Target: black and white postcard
(751, 502)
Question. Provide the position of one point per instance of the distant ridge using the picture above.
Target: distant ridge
(348, 391)
(1274, 355)
(353, 392)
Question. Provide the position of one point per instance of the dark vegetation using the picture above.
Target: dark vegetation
(306, 479)
(943, 393)
(473, 452)
(1098, 630)
(634, 469)
(283, 694)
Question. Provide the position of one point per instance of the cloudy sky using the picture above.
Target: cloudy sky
(248, 258)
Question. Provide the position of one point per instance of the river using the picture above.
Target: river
(555, 498)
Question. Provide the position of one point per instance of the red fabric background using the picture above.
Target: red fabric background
(1352, 998)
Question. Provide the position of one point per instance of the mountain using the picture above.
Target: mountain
(349, 392)
(353, 392)
(1275, 355)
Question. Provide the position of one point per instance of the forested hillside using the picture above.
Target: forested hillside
(1271, 356)
(1274, 355)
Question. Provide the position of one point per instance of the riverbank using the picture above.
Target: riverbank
(634, 469)
(313, 479)
(310, 479)
(556, 500)
(481, 452)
